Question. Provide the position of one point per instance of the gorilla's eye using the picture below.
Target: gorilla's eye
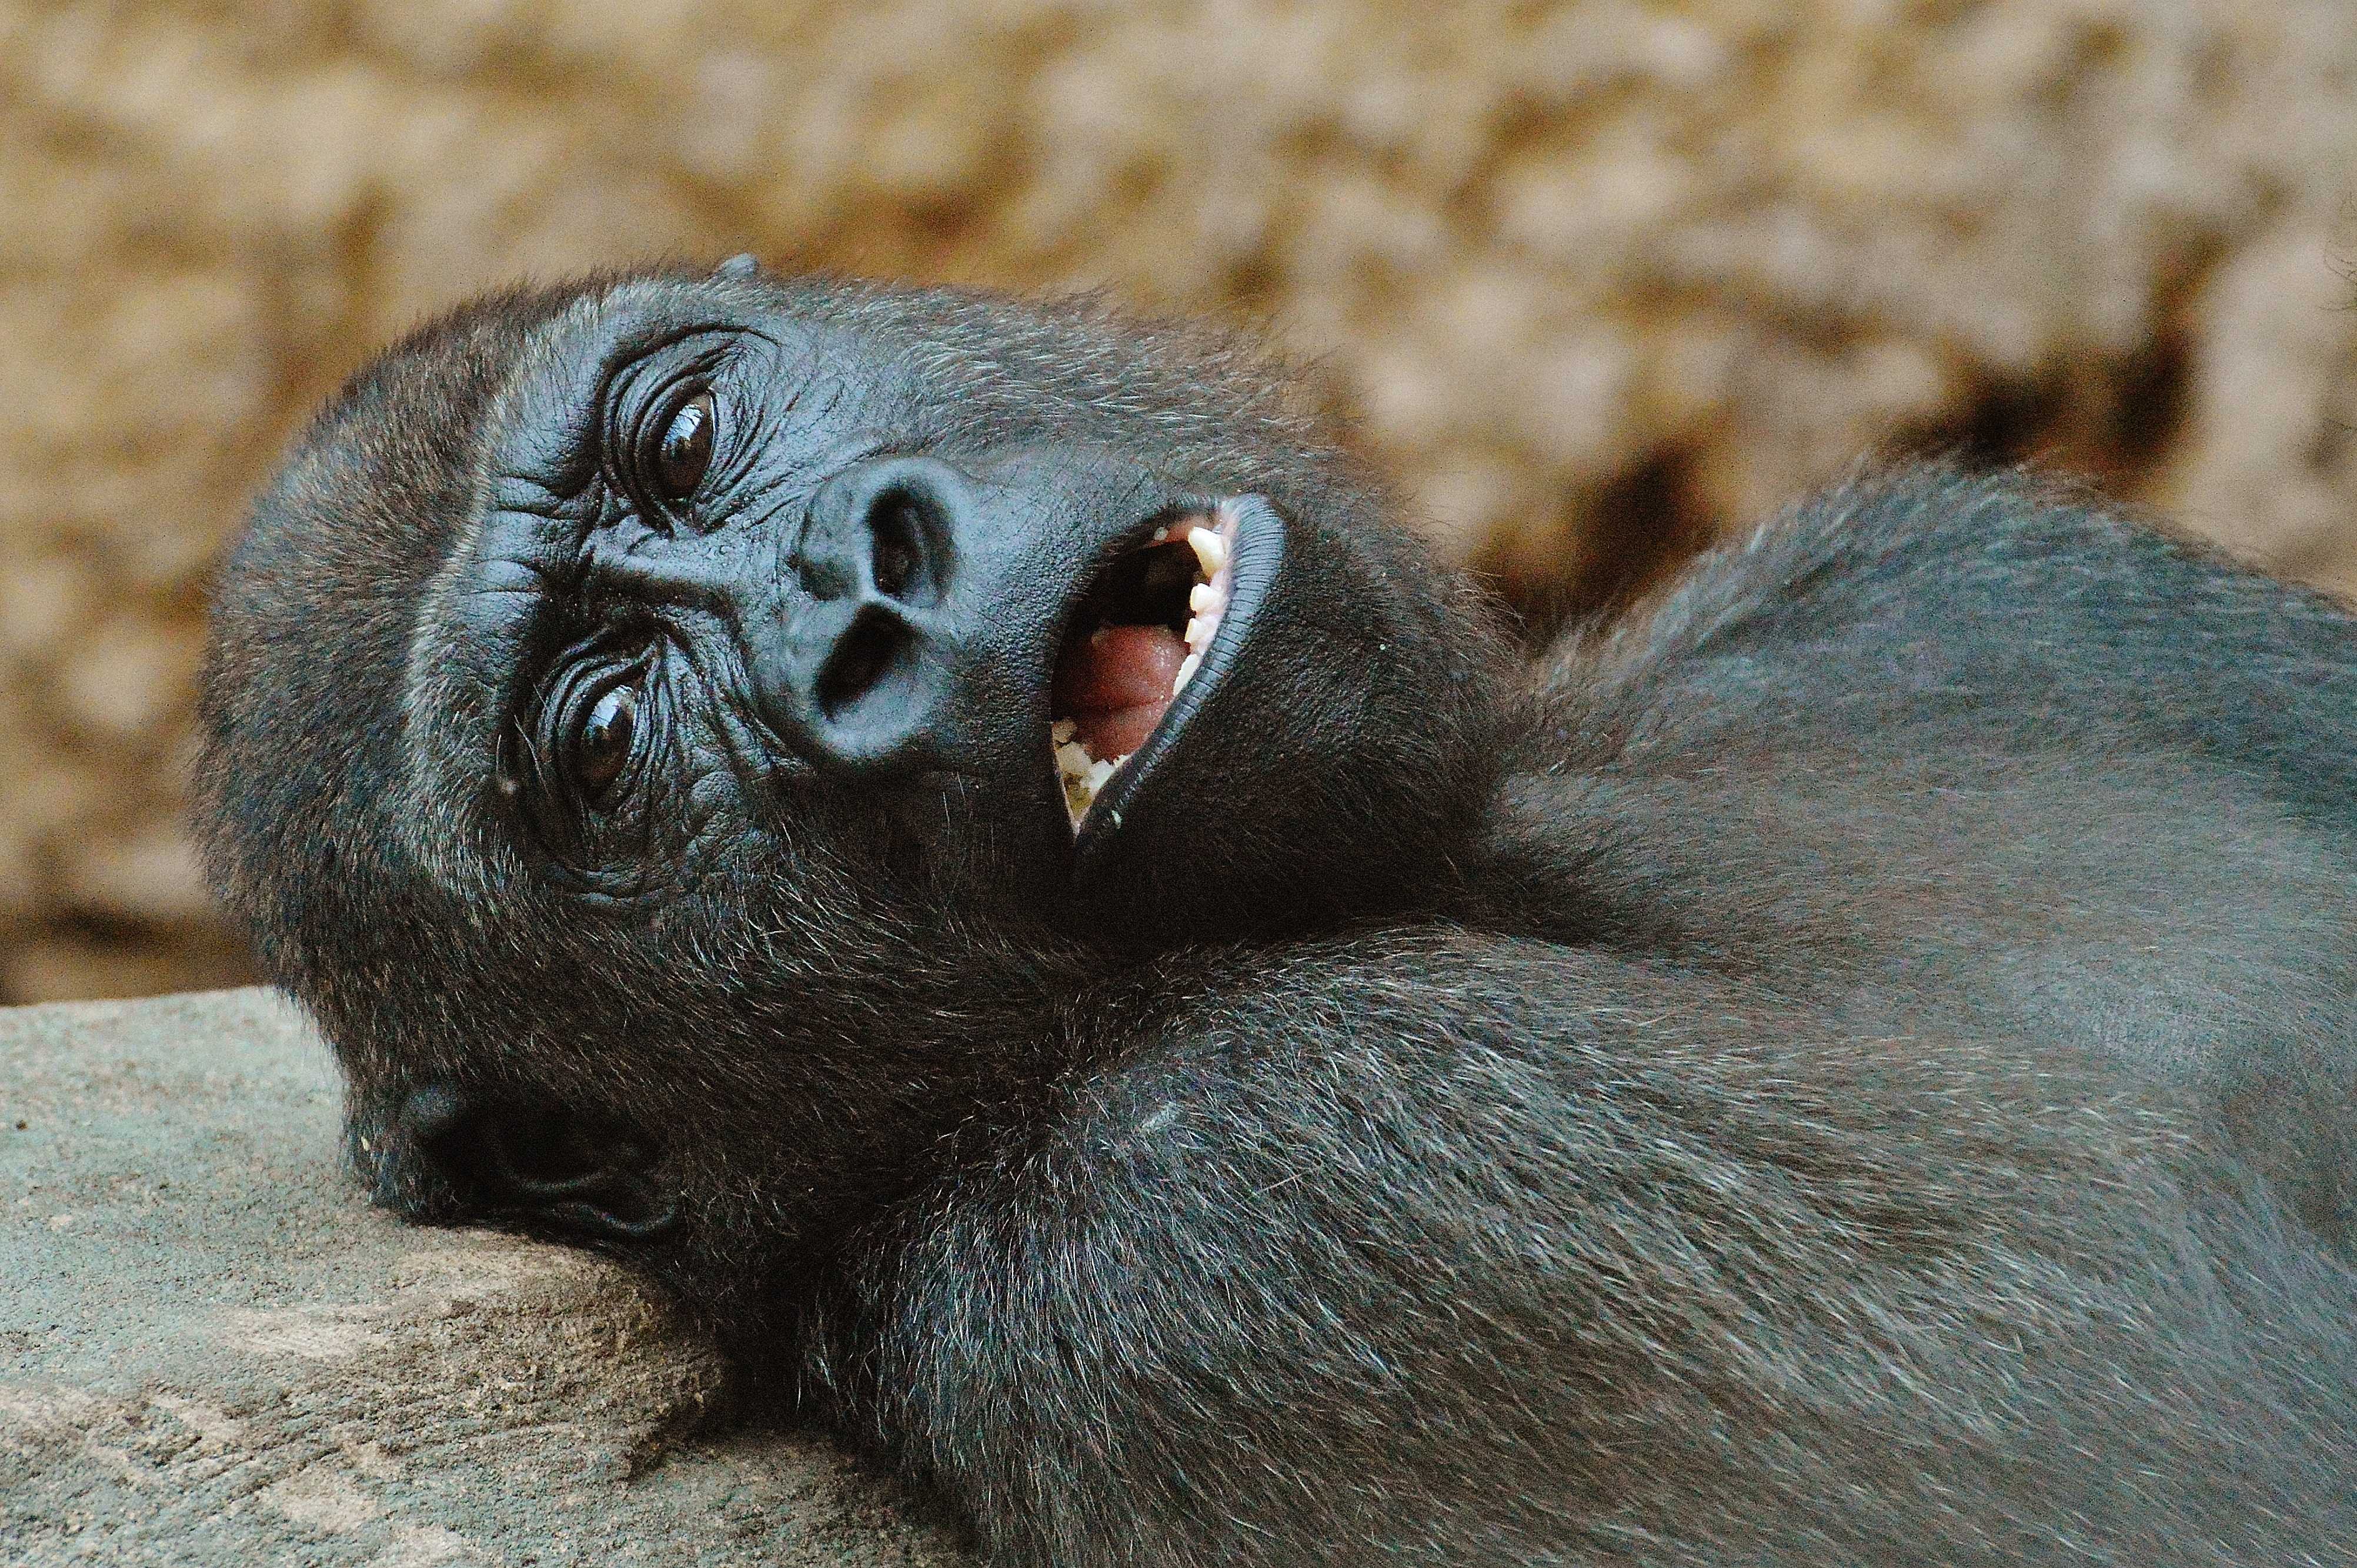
(582, 771)
(601, 748)
(684, 450)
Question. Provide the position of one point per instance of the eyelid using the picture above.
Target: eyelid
(642, 396)
(585, 682)
(642, 437)
(576, 680)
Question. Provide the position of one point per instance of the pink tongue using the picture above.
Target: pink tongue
(1114, 684)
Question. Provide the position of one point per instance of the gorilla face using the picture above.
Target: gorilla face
(735, 577)
(683, 734)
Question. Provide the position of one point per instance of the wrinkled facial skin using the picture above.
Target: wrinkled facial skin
(630, 709)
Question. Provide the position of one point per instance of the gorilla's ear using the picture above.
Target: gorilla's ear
(542, 1167)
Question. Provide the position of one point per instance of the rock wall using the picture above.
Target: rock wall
(1598, 279)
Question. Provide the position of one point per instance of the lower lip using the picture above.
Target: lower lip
(1257, 555)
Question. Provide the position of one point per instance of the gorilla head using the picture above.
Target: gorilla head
(650, 723)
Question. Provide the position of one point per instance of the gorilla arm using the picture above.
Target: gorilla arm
(1451, 1248)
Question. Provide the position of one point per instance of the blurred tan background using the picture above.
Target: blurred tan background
(1597, 279)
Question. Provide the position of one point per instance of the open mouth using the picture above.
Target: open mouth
(1147, 643)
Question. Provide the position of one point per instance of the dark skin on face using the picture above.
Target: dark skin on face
(1851, 1065)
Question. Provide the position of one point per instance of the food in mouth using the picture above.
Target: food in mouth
(1134, 644)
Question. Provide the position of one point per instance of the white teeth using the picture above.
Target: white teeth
(1083, 774)
(1210, 550)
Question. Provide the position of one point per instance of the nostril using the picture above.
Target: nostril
(863, 674)
(897, 558)
(877, 645)
(908, 544)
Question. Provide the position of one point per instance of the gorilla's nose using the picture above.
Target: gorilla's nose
(860, 668)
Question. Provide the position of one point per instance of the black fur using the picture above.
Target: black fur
(1853, 1066)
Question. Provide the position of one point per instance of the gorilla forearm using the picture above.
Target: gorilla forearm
(1469, 1240)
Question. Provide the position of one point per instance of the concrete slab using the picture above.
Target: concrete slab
(214, 1351)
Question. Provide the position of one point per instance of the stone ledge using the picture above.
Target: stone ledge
(214, 1351)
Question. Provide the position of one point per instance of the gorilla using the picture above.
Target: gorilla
(965, 839)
